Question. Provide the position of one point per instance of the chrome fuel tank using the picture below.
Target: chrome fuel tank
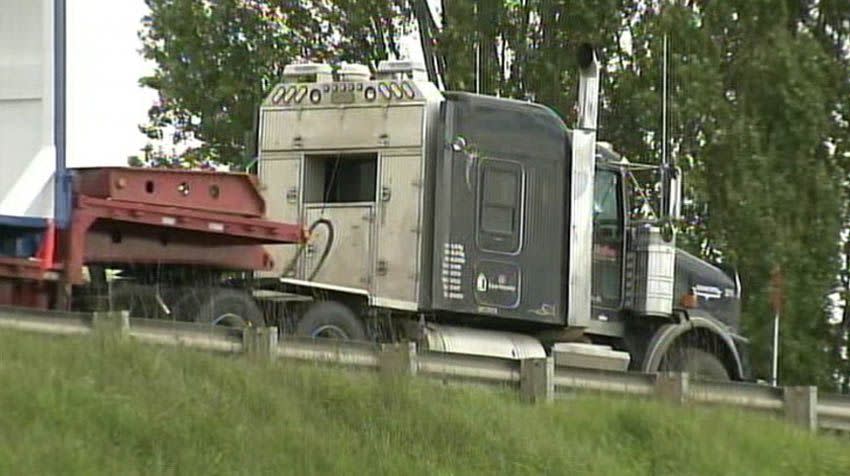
(464, 340)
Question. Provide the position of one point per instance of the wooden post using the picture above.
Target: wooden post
(537, 379)
(399, 359)
(111, 323)
(801, 406)
(260, 342)
(672, 387)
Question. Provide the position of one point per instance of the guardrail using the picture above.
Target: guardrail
(538, 380)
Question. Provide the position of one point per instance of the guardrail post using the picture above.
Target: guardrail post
(260, 342)
(537, 379)
(399, 359)
(112, 323)
(672, 387)
(801, 406)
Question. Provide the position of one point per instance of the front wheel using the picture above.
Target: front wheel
(697, 363)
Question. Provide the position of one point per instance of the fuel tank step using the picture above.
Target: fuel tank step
(592, 356)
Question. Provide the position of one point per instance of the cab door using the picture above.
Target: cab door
(608, 239)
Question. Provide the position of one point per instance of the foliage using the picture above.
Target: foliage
(89, 406)
(216, 60)
(759, 120)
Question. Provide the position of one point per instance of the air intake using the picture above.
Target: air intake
(353, 72)
(308, 73)
(402, 69)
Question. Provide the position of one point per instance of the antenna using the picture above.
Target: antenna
(477, 51)
(671, 176)
(666, 172)
(664, 160)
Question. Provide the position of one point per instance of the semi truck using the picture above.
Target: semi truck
(482, 225)
(384, 209)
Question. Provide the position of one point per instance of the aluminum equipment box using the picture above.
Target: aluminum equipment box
(651, 272)
(349, 160)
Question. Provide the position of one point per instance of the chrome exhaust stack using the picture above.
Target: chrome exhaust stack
(581, 202)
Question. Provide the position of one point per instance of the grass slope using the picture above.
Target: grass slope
(88, 406)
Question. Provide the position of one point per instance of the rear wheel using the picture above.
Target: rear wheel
(331, 320)
(226, 307)
(140, 300)
(696, 362)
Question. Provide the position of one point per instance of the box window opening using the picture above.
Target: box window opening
(340, 178)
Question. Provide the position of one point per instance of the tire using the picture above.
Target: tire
(696, 362)
(138, 299)
(229, 307)
(331, 319)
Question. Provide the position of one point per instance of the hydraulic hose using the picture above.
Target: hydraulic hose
(303, 247)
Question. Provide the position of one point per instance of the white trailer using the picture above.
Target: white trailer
(69, 73)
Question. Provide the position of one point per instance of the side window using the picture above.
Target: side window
(606, 203)
(500, 206)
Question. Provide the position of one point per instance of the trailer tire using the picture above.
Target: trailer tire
(230, 307)
(333, 320)
(137, 299)
(696, 362)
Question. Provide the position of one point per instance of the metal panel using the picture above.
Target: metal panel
(342, 128)
(398, 229)
(218, 192)
(280, 179)
(27, 154)
(349, 262)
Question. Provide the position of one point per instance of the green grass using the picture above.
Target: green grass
(89, 406)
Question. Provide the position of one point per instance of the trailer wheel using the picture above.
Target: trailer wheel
(138, 299)
(229, 307)
(696, 362)
(332, 320)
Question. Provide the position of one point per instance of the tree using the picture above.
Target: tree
(216, 60)
(756, 120)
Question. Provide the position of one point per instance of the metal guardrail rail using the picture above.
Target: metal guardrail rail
(536, 379)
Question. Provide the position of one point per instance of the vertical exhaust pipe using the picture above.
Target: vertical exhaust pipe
(581, 204)
(671, 176)
(588, 88)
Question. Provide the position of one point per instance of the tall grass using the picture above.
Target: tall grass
(93, 406)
